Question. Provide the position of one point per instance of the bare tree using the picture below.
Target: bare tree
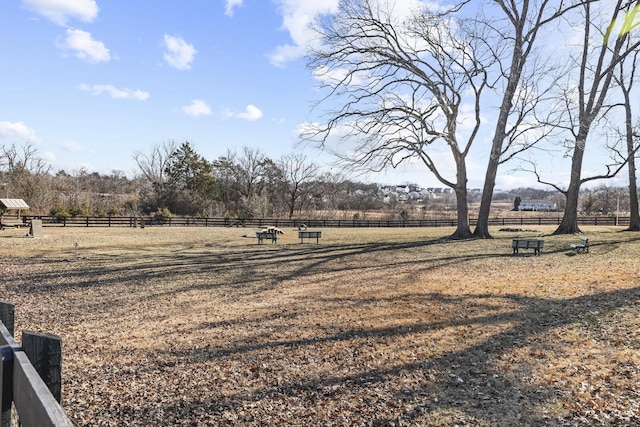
(329, 192)
(514, 28)
(251, 174)
(625, 79)
(26, 175)
(251, 165)
(226, 171)
(249, 184)
(401, 84)
(604, 46)
(152, 166)
(299, 177)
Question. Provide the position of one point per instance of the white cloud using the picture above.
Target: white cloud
(48, 157)
(250, 114)
(84, 46)
(74, 147)
(231, 5)
(17, 131)
(60, 11)
(179, 54)
(334, 76)
(197, 108)
(116, 93)
(297, 15)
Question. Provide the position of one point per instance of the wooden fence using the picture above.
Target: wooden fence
(30, 376)
(178, 221)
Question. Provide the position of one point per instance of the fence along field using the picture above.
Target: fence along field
(194, 325)
(177, 221)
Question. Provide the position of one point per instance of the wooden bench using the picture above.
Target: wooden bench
(534, 244)
(264, 235)
(581, 246)
(309, 235)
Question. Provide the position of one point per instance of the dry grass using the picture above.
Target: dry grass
(187, 326)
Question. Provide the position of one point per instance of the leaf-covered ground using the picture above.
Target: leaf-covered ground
(169, 326)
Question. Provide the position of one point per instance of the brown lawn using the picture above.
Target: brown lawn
(201, 326)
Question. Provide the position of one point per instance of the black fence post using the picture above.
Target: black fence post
(45, 354)
(6, 388)
(8, 315)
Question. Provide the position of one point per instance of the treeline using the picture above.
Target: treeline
(174, 179)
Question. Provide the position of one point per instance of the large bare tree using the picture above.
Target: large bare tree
(605, 31)
(401, 86)
(513, 29)
(625, 79)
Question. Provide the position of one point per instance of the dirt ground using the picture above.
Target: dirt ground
(370, 327)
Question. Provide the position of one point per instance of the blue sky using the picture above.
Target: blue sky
(90, 82)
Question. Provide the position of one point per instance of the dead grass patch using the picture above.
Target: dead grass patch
(201, 326)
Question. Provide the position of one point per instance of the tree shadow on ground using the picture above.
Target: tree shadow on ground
(255, 264)
(466, 381)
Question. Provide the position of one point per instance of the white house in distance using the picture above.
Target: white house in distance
(537, 205)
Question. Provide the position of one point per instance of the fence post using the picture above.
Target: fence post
(45, 354)
(8, 315)
(6, 385)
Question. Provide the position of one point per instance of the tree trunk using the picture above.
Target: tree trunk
(482, 226)
(462, 230)
(462, 206)
(634, 220)
(569, 223)
(517, 63)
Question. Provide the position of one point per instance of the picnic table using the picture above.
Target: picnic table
(11, 223)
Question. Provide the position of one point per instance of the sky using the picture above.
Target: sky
(91, 82)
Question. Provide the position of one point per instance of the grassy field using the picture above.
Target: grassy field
(201, 326)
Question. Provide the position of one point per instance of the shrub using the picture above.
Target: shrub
(162, 216)
(60, 213)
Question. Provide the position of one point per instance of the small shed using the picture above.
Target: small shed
(9, 205)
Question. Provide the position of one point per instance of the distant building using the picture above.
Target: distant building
(537, 205)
